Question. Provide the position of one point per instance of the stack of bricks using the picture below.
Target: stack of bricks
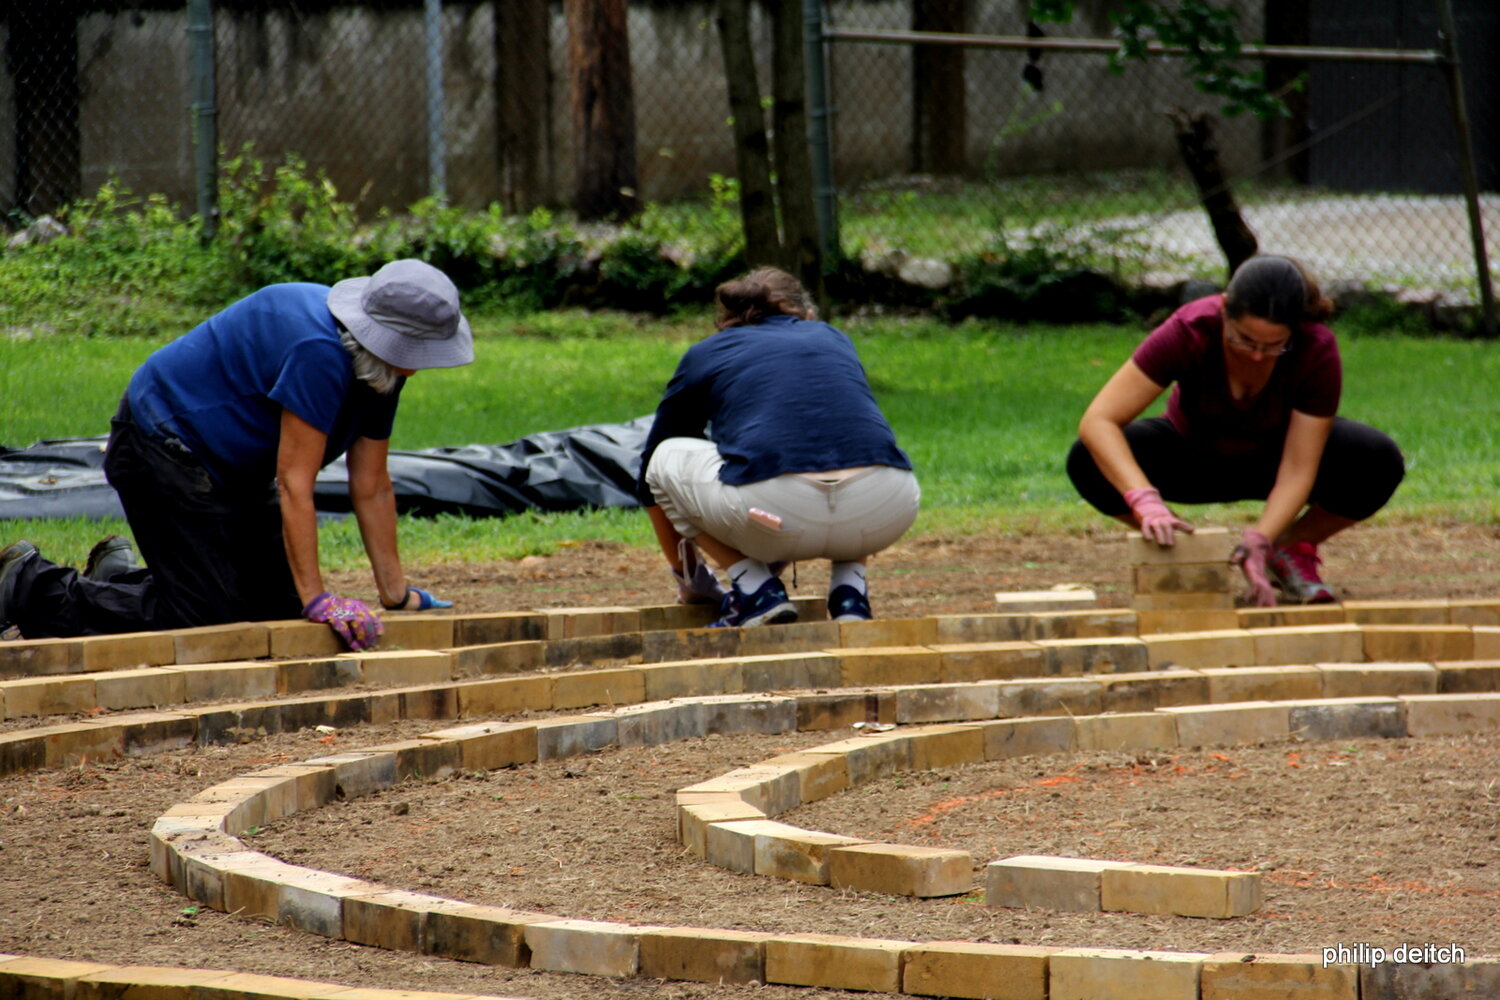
(1185, 587)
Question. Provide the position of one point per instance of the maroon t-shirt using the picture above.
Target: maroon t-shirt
(1188, 349)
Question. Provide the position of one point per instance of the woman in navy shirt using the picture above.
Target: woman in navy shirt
(768, 447)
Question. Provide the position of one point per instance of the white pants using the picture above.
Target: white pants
(843, 519)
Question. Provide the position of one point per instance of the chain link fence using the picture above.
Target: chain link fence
(937, 152)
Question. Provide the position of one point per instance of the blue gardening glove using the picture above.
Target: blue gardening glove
(352, 621)
(425, 601)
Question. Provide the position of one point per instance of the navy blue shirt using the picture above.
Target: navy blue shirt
(220, 388)
(785, 396)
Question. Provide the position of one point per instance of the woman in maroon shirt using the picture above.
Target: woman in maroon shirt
(1252, 416)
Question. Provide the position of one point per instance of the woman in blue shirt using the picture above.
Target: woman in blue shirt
(801, 463)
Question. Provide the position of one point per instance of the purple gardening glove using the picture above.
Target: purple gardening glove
(1158, 523)
(1250, 556)
(351, 620)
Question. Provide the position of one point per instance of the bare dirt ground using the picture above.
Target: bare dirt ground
(1380, 842)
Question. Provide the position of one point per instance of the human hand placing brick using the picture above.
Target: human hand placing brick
(1157, 521)
(1250, 556)
(352, 621)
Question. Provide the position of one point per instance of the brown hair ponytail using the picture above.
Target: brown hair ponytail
(1278, 290)
(766, 291)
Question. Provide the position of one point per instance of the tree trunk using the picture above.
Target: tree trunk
(41, 55)
(794, 183)
(939, 128)
(603, 106)
(524, 104)
(1199, 146)
(1288, 22)
(752, 151)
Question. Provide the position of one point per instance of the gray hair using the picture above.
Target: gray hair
(367, 367)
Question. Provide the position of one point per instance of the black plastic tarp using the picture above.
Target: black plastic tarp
(563, 470)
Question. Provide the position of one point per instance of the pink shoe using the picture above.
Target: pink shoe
(1294, 568)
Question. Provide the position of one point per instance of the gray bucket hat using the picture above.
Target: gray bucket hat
(406, 314)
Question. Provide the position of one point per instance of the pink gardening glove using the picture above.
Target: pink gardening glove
(1157, 522)
(351, 620)
(1250, 557)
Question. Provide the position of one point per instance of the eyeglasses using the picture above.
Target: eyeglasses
(1240, 342)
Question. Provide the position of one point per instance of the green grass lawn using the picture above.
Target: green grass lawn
(986, 410)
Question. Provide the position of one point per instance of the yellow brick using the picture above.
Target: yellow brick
(594, 947)
(1418, 643)
(694, 819)
(1063, 695)
(67, 745)
(1486, 642)
(250, 986)
(782, 671)
(469, 932)
(28, 697)
(1469, 675)
(1187, 620)
(31, 657)
(1145, 690)
(1197, 650)
(490, 628)
(1126, 731)
(789, 852)
(621, 686)
(1092, 623)
(937, 748)
(1026, 736)
(1452, 715)
(690, 679)
(899, 870)
(127, 649)
(496, 658)
(1355, 680)
(145, 982)
(773, 789)
(818, 712)
(1421, 612)
(703, 955)
(1276, 977)
(478, 699)
(573, 623)
(1308, 644)
(870, 757)
(1071, 657)
(887, 632)
(1121, 974)
(693, 644)
(1048, 882)
(491, 745)
(976, 969)
(300, 638)
(819, 775)
(227, 681)
(1241, 722)
(399, 668)
(889, 665)
(391, 919)
(148, 687)
(45, 978)
(1172, 579)
(417, 630)
(310, 786)
(970, 629)
(1290, 615)
(799, 637)
(835, 962)
(982, 661)
(1210, 600)
(1026, 601)
(1470, 611)
(1206, 545)
(672, 617)
(1186, 892)
(1263, 683)
(221, 643)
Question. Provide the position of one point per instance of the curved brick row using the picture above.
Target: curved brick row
(194, 848)
(45, 978)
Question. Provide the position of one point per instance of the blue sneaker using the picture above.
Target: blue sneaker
(767, 606)
(846, 604)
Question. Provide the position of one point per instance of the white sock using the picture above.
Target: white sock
(749, 575)
(848, 574)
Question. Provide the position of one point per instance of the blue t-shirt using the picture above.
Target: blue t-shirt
(220, 389)
(784, 396)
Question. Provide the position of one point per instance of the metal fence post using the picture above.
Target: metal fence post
(1466, 163)
(204, 114)
(825, 198)
(437, 150)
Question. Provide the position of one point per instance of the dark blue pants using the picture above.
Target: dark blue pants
(1360, 469)
(214, 554)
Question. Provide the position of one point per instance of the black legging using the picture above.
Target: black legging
(1360, 469)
